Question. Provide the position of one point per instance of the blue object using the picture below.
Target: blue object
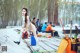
(33, 40)
(44, 26)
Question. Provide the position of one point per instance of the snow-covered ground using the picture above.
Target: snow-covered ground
(7, 38)
(10, 34)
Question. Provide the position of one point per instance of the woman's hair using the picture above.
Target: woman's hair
(26, 14)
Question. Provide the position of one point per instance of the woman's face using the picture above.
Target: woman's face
(23, 12)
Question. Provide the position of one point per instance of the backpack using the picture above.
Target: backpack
(24, 35)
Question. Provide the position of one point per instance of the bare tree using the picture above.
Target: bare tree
(53, 11)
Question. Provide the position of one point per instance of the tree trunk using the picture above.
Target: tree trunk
(55, 12)
(49, 11)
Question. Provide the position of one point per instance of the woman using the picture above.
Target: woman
(27, 25)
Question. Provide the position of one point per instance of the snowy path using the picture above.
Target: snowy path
(7, 38)
(9, 35)
(45, 45)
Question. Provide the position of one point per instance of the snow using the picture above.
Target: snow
(10, 34)
(59, 30)
(7, 38)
